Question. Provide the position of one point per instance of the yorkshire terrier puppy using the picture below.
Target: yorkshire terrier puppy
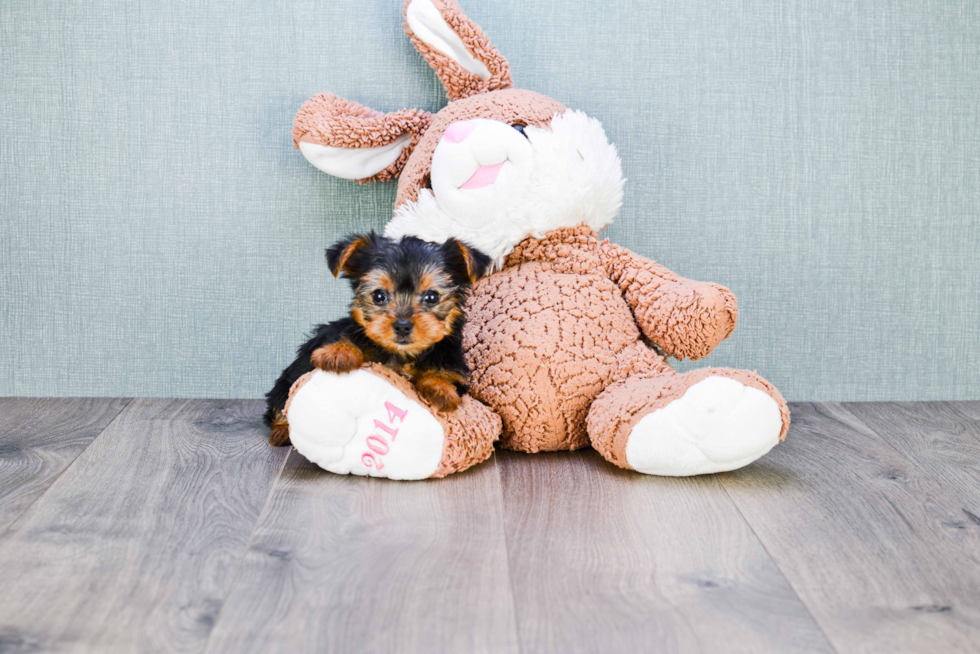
(407, 314)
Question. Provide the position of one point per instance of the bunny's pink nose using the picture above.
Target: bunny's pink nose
(459, 131)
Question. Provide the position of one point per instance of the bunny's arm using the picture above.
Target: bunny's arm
(684, 318)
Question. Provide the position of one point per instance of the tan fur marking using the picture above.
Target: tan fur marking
(428, 329)
(379, 329)
(435, 278)
(451, 317)
(471, 268)
(280, 431)
(356, 244)
(439, 387)
(342, 356)
(378, 279)
(427, 281)
(358, 315)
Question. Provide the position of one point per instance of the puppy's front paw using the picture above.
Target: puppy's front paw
(440, 389)
(339, 357)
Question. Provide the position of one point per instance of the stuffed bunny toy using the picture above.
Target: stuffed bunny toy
(568, 338)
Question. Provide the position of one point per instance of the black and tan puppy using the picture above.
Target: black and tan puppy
(407, 314)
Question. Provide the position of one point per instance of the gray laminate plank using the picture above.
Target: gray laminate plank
(349, 564)
(871, 543)
(134, 547)
(937, 438)
(607, 560)
(969, 409)
(39, 438)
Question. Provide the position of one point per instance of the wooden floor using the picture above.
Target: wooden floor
(170, 526)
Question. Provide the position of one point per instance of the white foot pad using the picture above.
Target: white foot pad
(717, 425)
(358, 423)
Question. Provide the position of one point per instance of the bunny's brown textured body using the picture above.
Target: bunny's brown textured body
(552, 331)
(547, 334)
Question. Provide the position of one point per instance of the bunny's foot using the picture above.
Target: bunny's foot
(678, 425)
(372, 422)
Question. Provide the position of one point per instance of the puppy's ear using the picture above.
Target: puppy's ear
(347, 257)
(472, 264)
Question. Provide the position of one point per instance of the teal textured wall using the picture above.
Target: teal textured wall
(159, 236)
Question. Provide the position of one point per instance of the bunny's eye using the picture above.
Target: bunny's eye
(519, 128)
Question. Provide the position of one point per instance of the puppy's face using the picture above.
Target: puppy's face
(408, 293)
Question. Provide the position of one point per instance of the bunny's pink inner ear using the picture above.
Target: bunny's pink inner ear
(348, 140)
(456, 48)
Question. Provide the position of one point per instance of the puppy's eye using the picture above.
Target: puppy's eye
(379, 297)
(430, 298)
(519, 128)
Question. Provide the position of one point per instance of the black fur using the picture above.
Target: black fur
(404, 261)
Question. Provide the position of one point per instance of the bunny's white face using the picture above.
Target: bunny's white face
(494, 184)
(477, 165)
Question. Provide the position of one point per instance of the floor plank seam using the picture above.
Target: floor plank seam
(248, 545)
(510, 574)
(122, 409)
(782, 573)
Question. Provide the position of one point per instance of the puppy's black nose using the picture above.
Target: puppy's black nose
(402, 327)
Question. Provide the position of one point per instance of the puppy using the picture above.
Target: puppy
(407, 315)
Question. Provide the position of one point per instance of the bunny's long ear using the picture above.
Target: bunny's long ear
(348, 140)
(461, 54)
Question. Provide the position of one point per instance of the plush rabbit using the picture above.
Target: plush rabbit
(567, 340)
